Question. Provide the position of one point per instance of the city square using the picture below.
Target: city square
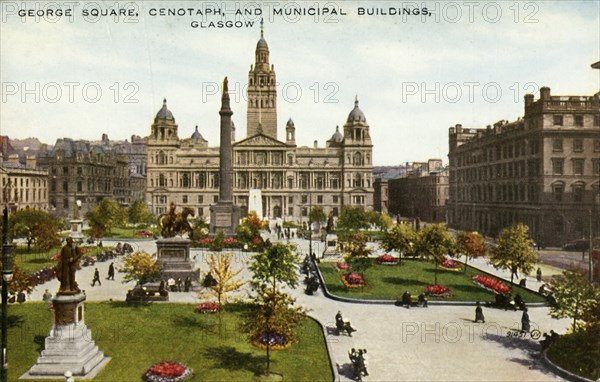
(340, 230)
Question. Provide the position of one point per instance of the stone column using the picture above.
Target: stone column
(225, 150)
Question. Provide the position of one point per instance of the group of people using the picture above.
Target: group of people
(110, 276)
(406, 300)
(525, 323)
(177, 285)
(357, 357)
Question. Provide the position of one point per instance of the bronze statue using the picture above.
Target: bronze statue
(68, 264)
(173, 223)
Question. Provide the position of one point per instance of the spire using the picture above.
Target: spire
(262, 22)
(225, 97)
(356, 100)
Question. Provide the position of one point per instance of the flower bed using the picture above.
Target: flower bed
(491, 284)
(275, 341)
(450, 265)
(342, 266)
(353, 280)
(208, 307)
(387, 259)
(167, 371)
(437, 290)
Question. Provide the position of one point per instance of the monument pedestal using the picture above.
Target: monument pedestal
(174, 256)
(76, 228)
(224, 216)
(69, 346)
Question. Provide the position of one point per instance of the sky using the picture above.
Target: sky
(80, 75)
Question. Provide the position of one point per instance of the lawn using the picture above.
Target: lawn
(35, 259)
(137, 335)
(388, 282)
(123, 233)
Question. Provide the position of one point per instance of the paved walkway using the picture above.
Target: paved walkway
(439, 343)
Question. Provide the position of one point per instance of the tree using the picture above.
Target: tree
(106, 216)
(20, 282)
(353, 218)
(140, 267)
(273, 268)
(225, 280)
(471, 244)
(317, 215)
(514, 251)
(199, 228)
(385, 222)
(35, 226)
(434, 241)
(357, 253)
(576, 297)
(249, 228)
(401, 238)
(138, 213)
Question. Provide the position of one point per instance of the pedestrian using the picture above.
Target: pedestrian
(479, 313)
(96, 277)
(538, 274)
(187, 284)
(179, 284)
(111, 271)
(47, 296)
(21, 297)
(525, 325)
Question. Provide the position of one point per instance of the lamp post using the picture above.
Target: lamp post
(7, 270)
(309, 225)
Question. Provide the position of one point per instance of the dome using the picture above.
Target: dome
(164, 113)
(262, 44)
(289, 123)
(356, 115)
(197, 134)
(337, 137)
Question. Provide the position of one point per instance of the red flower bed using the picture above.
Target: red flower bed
(450, 265)
(353, 280)
(437, 290)
(167, 371)
(206, 241)
(228, 241)
(387, 259)
(208, 307)
(491, 284)
(144, 233)
(342, 266)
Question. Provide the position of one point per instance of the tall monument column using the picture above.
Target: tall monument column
(224, 215)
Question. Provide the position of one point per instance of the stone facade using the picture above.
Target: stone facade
(422, 193)
(80, 170)
(542, 170)
(291, 178)
(23, 185)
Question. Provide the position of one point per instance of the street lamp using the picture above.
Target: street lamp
(7, 273)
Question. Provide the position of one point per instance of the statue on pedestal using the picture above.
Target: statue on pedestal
(68, 264)
(173, 223)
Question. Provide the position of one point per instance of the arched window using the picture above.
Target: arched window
(161, 180)
(358, 159)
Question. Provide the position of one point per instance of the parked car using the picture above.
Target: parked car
(579, 245)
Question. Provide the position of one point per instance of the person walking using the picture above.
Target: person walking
(479, 313)
(525, 325)
(538, 275)
(47, 296)
(96, 278)
(111, 271)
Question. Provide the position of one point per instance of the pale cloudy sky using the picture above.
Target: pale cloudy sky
(469, 63)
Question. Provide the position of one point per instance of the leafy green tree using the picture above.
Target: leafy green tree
(385, 222)
(218, 241)
(576, 297)
(20, 282)
(356, 253)
(514, 251)
(138, 213)
(435, 241)
(353, 218)
(35, 226)
(249, 228)
(317, 215)
(106, 216)
(140, 267)
(401, 238)
(199, 228)
(273, 268)
(470, 244)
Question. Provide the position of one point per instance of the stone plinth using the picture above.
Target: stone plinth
(76, 228)
(224, 216)
(174, 256)
(69, 346)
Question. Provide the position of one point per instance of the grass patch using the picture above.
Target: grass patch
(139, 335)
(388, 282)
(578, 353)
(36, 259)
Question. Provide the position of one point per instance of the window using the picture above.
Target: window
(79, 186)
(578, 193)
(334, 211)
(200, 211)
(558, 225)
(578, 166)
(304, 211)
(557, 144)
(596, 145)
(558, 120)
(597, 120)
(290, 199)
(200, 199)
(79, 171)
(65, 203)
(304, 199)
(579, 120)
(335, 199)
(319, 199)
(557, 166)
(65, 187)
(596, 167)
(558, 191)
(184, 199)
(291, 211)
(215, 198)
(578, 145)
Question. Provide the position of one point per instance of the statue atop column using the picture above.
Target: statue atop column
(68, 264)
